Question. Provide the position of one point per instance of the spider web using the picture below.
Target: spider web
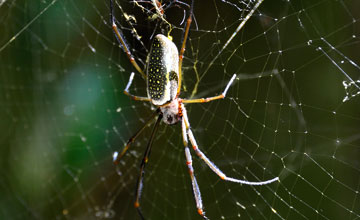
(292, 112)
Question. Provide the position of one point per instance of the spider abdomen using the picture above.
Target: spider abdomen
(162, 70)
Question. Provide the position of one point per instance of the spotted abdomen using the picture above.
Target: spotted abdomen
(162, 70)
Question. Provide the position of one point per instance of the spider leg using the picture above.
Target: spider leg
(144, 161)
(133, 97)
(183, 46)
(117, 156)
(121, 40)
(212, 166)
(194, 183)
(209, 99)
(218, 171)
(195, 186)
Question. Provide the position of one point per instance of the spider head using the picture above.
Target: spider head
(171, 113)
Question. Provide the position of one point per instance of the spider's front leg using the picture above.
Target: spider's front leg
(144, 161)
(117, 156)
(216, 170)
(187, 133)
(210, 164)
(195, 186)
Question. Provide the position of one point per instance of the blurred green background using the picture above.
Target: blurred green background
(63, 113)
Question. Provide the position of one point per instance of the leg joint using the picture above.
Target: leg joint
(136, 204)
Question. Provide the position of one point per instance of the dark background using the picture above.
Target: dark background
(63, 113)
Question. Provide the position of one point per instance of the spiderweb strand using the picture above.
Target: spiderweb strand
(241, 25)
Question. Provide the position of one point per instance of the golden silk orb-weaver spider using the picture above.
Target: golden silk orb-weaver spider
(163, 77)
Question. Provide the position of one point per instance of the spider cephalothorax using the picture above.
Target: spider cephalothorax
(163, 77)
(172, 112)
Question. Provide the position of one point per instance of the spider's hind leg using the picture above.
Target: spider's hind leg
(119, 36)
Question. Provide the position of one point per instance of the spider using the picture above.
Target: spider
(163, 77)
